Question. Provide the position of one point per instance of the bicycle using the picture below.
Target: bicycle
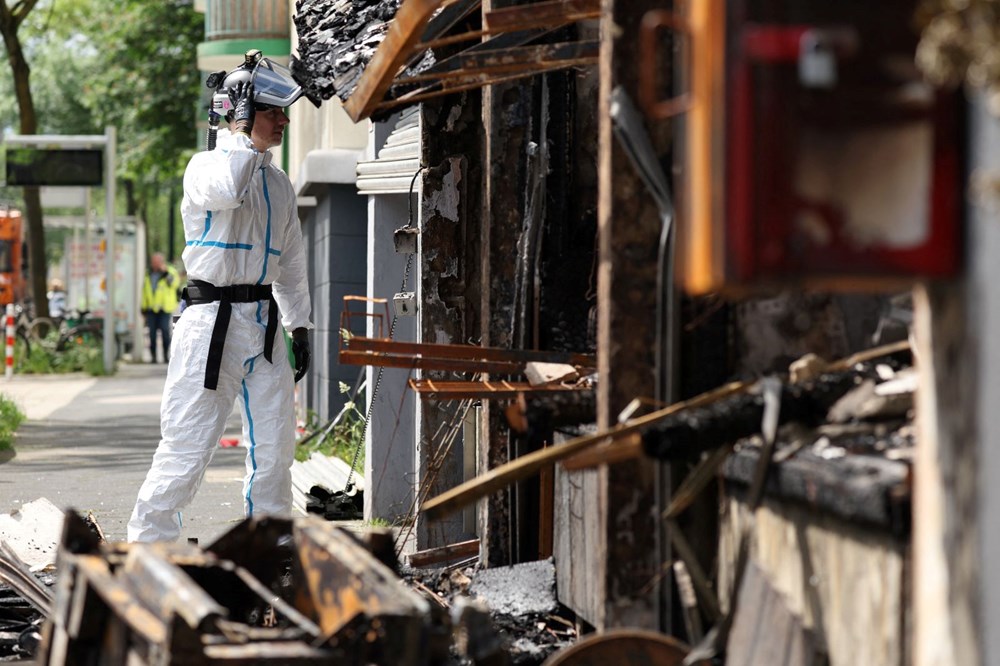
(79, 330)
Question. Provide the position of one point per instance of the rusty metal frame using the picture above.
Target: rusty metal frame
(432, 389)
(383, 352)
(348, 315)
(509, 357)
(409, 34)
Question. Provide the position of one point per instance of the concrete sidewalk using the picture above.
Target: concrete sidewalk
(88, 443)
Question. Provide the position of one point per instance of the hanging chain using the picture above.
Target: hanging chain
(392, 331)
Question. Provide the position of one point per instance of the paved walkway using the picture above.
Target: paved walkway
(88, 443)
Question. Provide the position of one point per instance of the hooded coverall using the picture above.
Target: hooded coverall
(241, 228)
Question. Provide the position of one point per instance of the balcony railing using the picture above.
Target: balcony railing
(246, 19)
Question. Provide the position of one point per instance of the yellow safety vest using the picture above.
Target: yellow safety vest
(164, 299)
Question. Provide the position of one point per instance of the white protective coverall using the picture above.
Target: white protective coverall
(241, 227)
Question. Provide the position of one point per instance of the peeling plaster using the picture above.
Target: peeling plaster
(453, 116)
(445, 202)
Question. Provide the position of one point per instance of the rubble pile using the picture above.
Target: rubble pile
(336, 40)
(20, 626)
(520, 599)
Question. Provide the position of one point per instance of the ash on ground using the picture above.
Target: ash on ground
(528, 623)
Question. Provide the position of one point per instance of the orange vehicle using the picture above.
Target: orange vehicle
(11, 263)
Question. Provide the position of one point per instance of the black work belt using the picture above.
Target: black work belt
(198, 292)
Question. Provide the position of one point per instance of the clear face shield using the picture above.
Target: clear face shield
(273, 85)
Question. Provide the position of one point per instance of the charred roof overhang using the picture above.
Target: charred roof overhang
(374, 64)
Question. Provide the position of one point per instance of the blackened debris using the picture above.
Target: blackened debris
(538, 415)
(530, 632)
(20, 624)
(339, 505)
(861, 475)
(337, 39)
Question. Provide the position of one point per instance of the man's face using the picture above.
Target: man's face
(156, 263)
(268, 128)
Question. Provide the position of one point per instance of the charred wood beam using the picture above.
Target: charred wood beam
(538, 415)
(628, 449)
(703, 429)
(859, 489)
(528, 465)
(494, 62)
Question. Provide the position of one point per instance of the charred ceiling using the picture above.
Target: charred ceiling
(337, 39)
(377, 56)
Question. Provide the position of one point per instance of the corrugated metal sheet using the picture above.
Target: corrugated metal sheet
(391, 172)
(320, 470)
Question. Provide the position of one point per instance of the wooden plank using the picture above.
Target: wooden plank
(948, 479)
(454, 551)
(404, 32)
(847, 584)
(530, 464)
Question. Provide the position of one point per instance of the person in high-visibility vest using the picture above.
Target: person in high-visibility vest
(159, 300)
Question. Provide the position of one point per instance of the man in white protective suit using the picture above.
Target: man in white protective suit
(245, 264)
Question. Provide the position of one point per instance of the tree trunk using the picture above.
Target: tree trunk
(9, 23)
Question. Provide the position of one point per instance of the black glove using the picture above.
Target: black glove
(241, 95)
(300, 349)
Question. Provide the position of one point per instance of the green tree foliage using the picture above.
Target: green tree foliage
(131, 64)
(147, 84)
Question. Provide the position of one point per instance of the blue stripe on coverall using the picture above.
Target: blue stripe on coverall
(201, 242)
(246, 396)
(253, 441)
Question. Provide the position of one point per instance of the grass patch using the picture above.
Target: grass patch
(339, 438)
(45, 360)
(10, 418)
